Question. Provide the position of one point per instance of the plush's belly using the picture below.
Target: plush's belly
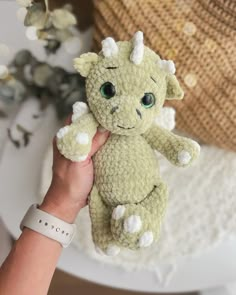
(125, 170)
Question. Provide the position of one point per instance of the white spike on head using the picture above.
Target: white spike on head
(136, 55)
(167, 65)
(109, 47)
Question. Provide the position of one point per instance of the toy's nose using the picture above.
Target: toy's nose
(139, 113)
(115, 108)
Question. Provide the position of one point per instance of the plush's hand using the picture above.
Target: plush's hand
(184, 151)
(75, 141)
(179, 150)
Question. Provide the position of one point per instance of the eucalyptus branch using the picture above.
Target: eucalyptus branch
(47, 5)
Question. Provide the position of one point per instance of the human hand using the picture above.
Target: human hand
(71, 182)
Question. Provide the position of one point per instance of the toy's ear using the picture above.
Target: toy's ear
(173, 91)
(85, 62)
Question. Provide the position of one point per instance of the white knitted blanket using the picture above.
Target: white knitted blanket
(200, 214)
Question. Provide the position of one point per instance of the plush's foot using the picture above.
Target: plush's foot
(132, 226)
(137, 225)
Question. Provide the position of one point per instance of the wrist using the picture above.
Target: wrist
(61, 208)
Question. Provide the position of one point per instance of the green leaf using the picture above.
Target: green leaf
(63, 35)
(62, 18)
(36, 16)
(42, 74)
(22, 58)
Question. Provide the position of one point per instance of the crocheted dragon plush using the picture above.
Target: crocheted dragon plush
(126, 85)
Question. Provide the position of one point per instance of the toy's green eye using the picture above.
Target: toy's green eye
(148, 100)
(108, 90)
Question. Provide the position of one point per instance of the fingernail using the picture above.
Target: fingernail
(101, 129)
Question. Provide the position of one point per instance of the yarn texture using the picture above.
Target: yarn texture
(126, 86)
(183, 233)
(200, 35)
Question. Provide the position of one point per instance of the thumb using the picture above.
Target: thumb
(99, 139)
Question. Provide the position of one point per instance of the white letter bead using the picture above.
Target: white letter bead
(82, 138)
(132, 224)
(184, 157)
(118, 212)
(62, 132)
(146, 239)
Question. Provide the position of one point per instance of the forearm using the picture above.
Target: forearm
(31, 263)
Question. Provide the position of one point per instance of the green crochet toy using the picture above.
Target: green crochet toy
(126, 85)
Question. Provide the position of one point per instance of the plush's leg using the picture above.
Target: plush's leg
(101, 231)
(137, 225)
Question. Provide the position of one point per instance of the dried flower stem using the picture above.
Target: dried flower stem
(46, 5)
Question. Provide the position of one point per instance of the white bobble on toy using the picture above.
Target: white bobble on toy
(146, 239)
(82, 138)
(184, 157)
(118, 212)
(132, 224)
(109, 47)
(166, 118)
(112, 250)
(62, 132)
(167, 65)
(136, 55)
(79, 108)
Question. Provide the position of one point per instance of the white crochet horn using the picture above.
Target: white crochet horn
(109, 47)
(136, 55)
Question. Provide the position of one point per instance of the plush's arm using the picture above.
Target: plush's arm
(75, 141)
(180, 151)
